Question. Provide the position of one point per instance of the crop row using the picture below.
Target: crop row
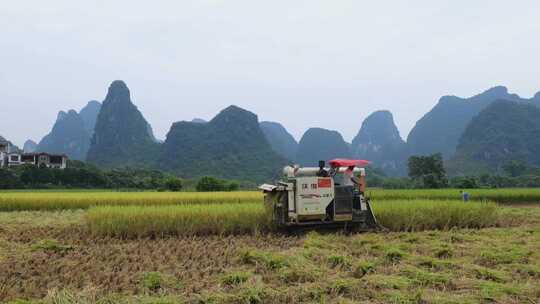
(415, 215)
(158, 221)
(507, 195)
(15, 201)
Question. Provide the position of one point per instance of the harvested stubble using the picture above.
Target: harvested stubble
(416, 215)
(18, 201)
(157, 221)
(207, 219)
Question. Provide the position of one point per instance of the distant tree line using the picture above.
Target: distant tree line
(424, 172)
(82, 175)
(428, 172)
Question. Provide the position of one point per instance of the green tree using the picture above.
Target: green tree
(514, 168)
(35, 176)
(232, 186)
(9, 180)
(428, 171)
(209, 184)
(464, 182)
(174, 184)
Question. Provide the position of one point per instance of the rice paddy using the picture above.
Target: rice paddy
(149, 247)
(199, 219)
(506, 196)
(159, 214)
(68, 200)
(418, 215)
(252, 218)
(19, 201)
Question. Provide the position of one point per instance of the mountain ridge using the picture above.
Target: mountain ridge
(125, 138)
(440, 128)
(321, 144)
(89, 115)
(280, 139)
(379, 141)
(231, 145)
(68, 136)
(502, 132)
(122, 136)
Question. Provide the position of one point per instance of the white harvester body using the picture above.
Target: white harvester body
(321, 196)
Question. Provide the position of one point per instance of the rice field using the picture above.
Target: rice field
(158, 214)
(62, 200)
(50, 258)
(117, 247)
(252, 218)
(509, 195)
(159, 221)
(418, 215)
(19, 201)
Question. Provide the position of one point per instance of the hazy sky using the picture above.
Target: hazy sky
(302, 63)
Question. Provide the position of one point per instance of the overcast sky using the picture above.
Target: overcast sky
(302, 63)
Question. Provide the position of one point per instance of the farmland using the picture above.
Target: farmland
(252, 218)
(511, 195)
(17, 201)
(150, 247)
(63, 200)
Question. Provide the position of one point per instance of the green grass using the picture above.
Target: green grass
(198, 219)
(51, 245)
(236, 278)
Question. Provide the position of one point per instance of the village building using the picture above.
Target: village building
(5, 149)
(10, 157)
(56, 161)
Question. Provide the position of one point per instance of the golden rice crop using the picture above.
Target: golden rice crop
(15, 201)
(509, 195)
(415, 215)
(59, 200)
(206, 219)
(198, 219)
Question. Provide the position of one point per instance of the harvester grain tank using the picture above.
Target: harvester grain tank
(320, 196)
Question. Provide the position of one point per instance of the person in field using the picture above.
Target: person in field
(464, 195)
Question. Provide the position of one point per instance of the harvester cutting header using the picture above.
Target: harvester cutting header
(333, 197)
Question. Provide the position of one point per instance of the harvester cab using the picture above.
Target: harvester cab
(329, 197)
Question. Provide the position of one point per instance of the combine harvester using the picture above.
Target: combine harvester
(322, 197)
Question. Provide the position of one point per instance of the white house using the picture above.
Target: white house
(10, 158)
(5, 149)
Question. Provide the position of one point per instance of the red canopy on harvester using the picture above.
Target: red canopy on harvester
(341, 162)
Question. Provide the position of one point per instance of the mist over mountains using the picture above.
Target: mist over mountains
(234, 144)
